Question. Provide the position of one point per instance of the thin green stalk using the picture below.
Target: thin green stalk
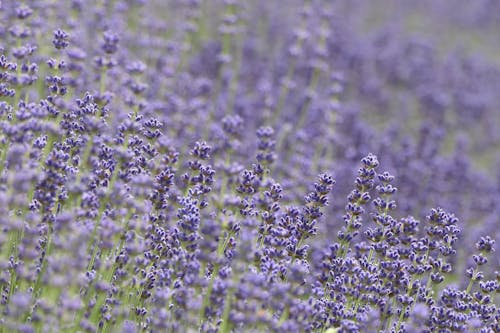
(284, 315)
(226, 324)
(17, 96)
(408, 293)
(93, 243)
(472, 280)
(102, 208)
(83, 161)
(190, 38)
(226, 50)
(37, 287)
(289, 75)
(94, 317)
(386, 323)
(3, 156)
(233, 84)
(221, 248)
(47, 249)
(15, 237)
(102, 82)
(312, 86)
(220, 252)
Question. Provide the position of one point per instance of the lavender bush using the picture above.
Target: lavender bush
(248, 166)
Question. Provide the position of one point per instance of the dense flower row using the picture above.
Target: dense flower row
(182, 166)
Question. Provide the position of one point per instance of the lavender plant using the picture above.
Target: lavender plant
(181, 166)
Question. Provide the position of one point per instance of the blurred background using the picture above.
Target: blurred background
(415, 82)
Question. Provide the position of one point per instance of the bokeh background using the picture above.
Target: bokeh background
(414, 82)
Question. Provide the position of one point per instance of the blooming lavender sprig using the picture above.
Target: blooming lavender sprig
(306, 226)
(357, 198)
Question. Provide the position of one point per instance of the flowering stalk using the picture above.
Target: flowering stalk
(300, 36)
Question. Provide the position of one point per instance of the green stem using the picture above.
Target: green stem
(472, 280)
(226, 324)
(284, 315)
(313, 83)
(111, 272)
(93, 243)
(102, 208)
(83, 162)
(220, 252)
(226, 50)
(37, 287)
(289, 75)
(102, 82)
(3, 156)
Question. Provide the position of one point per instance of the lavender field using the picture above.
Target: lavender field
(249, 166)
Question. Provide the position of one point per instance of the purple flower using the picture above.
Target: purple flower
(60, 40)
